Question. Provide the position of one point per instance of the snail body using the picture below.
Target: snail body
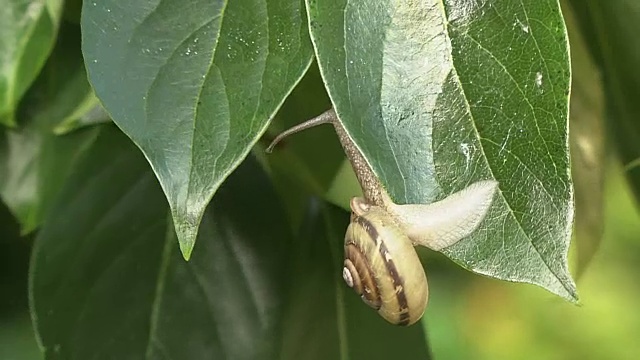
(380, 262)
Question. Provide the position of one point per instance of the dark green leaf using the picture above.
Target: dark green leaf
(587, 139)
(611, 30)
(72, 10)
(342, 325)
(17, 340)
(108, 280)
(440, 95)
(14, 258)
(194, 85)
(27, 33)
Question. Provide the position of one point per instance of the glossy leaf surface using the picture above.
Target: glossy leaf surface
(194, 85)
(439, 95)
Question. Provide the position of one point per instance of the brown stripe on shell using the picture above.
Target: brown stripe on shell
(364, 283)
(397, 281)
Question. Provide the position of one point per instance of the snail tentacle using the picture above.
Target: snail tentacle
(326, 117)
(371, 187)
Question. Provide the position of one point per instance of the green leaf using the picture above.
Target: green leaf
(27, 33)
(33, 168)
(33, 160)
(108, 281)
(343, 326)
(194, 85)
(439, 95)
(587, 140)
(610, 30)
(13, 264)
(89, 112)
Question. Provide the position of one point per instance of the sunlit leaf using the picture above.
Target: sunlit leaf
(438, 95)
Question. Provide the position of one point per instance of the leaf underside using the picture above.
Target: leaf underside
(441, 95)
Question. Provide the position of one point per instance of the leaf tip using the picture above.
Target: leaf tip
(567, 289)
(572, 296)
(187, 225)
(186, 240)
(185, 249)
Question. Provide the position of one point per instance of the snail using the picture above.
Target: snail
(380, 261)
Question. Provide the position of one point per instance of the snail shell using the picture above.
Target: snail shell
(381, 265)
(380, 262)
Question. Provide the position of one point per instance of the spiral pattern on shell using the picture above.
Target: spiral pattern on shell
(382, 266)
(358, 276)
